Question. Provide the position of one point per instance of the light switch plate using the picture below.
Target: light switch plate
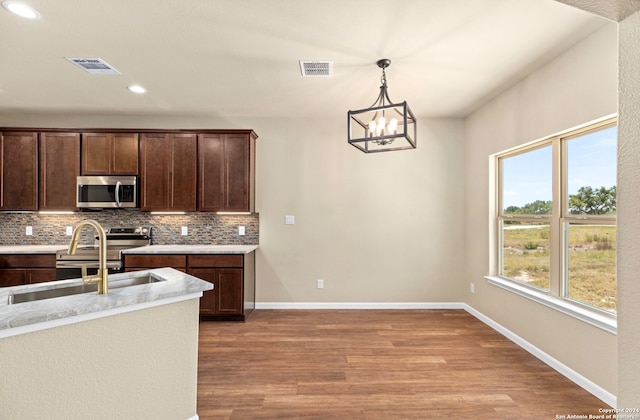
(185, 230)
(289, 220)
(69, 230)
(29, 230)
(240, 230)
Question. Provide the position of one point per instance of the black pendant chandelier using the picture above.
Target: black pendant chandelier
(384, 126)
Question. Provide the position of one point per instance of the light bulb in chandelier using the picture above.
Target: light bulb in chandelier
(393, 126)
(381, 128)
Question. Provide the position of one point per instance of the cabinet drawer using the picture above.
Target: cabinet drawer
(215, 260)
(27, 261)
(155, 261)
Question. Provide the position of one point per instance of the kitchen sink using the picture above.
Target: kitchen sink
(82, 288)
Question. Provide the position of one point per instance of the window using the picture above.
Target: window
(556, 217)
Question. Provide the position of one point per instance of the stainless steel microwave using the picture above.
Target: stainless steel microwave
(104, 192)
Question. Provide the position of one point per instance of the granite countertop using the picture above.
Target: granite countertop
(192, 249)
(150, 249)
(31, 249)
(26, 317)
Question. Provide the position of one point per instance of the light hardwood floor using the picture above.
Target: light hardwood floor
(375, 364)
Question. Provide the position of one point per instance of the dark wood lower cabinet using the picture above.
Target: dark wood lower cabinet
(226, 296)
(20, 269)
(40, 275)
(12, 277)
(232, 276)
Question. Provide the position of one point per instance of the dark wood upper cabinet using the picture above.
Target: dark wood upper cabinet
(109, 154)
(18, 171)
(180, 170)
(59, 168)
(168, 172)
(226, 172)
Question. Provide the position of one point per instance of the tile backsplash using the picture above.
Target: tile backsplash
(203, 228)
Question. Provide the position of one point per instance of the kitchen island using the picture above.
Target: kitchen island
(131, 353)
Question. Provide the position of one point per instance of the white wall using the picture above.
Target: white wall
(575, 88)
(628, 220)
(382, 227)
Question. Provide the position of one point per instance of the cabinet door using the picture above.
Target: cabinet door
(59, 167)
(154, 172)
(109, 153)
(19, 171)
(40, 275)
(211, 172)
(124, 154)
(225, 172)
(237, 172)
(184, 172)
(12, 277)
(96, 153)
(229, 299)
(168, 172)
(226, 297)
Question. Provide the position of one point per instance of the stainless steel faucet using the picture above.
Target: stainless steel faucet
(102, 278)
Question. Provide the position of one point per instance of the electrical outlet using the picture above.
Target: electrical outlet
(29, 230)
(240, 230)
(69, 230)
(472, 287)
(185, 231)
(320, 284)
(289, 220)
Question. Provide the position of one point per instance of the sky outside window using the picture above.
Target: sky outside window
(527, 178)
(591, 161)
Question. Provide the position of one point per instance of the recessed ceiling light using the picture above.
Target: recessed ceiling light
(137, 89)
(21, 9)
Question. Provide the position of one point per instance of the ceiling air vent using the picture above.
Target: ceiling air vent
(93, 65)
(316, 68)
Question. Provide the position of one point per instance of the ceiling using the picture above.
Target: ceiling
(239, 58)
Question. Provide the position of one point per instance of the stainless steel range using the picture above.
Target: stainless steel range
(118, 239)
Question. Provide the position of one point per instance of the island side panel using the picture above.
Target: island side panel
(141, 364)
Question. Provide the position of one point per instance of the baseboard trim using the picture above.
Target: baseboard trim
(558, 366)
(561, 368)
(360, 305)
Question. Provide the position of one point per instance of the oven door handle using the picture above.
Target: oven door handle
(88, 263)
(118, 188)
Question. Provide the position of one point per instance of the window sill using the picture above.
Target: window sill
(594, 318)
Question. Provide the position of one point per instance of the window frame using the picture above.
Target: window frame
(557, 295)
